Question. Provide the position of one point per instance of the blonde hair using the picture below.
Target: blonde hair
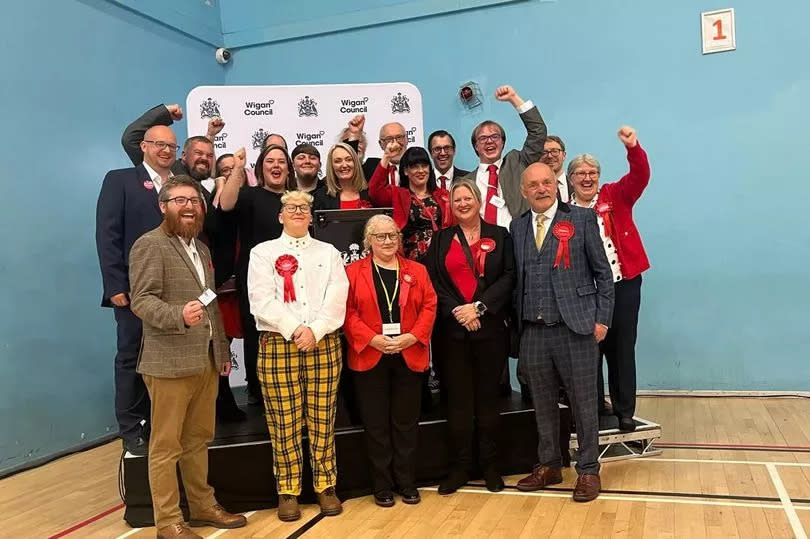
(296, 196)
(358, 180)
(373, 224)
(464, 182)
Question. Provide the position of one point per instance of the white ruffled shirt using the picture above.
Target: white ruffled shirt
(607, 242)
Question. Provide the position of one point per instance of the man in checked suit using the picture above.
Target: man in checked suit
(564, 303)
(183, 352)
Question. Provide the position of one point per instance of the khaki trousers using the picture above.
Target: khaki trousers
(183, 418)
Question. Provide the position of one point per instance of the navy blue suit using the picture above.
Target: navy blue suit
(127, 208)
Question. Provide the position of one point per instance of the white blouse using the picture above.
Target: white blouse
(607, 242)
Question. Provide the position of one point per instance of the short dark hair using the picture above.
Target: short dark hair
(558, 140)
(197, 138)
(217, 167)
(179, 181)
(416, 155)
(482, 125)
(306, 148)
(258, 169)
(440, 133)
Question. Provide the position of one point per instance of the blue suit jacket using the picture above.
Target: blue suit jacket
(584, 291)
(125, 211)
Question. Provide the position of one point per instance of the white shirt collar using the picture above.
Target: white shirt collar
(484, 166)
(296, 243)
(549, 213)
(448, 174)
(580, 204)
(154, 176)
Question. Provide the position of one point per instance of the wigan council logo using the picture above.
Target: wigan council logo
(209, 109)
(307, 107)
(399, 104)
(258, 138)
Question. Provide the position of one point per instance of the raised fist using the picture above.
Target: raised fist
(356, 124)
(393, 149)
(239, 159)
(175, 112)
(215, 125)
(504, 93)
(628, 136)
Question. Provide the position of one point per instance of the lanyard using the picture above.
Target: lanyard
(389, 299)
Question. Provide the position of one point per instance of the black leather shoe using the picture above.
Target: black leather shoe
(626, 424)
(254, 397)
(493, 480)
(454, 481)
(384, 498)
(410, 496)
(138, 446)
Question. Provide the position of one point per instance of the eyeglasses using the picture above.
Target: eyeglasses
(389, 140)
(161, 145)
(182, 201)
(442, 149)
(296, 208)
(483, 139)
(581, 175)
(554, 152)
(393, 236)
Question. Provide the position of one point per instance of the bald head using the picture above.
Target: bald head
(159, 148)
(394, 132)
(538, 185)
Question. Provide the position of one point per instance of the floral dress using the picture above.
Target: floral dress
(424, 219)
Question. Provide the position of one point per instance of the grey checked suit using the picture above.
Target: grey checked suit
(561, 347)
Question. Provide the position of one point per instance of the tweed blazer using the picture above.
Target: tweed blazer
(162, 280)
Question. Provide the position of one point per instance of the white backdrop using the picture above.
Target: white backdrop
(314, 113)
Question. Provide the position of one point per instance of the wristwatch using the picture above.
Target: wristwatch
(480, 308)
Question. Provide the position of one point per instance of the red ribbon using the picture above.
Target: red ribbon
(485, 245)
(604, 211)
(286, 265)
(404, 286)
(563, 231)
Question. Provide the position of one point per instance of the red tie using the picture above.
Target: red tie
(490, 211)
(443, 179)
(392, 179)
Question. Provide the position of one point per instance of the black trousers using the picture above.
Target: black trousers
(619, 349)
(471, 374)
(131, 398)
(389, 396)
(250, 336)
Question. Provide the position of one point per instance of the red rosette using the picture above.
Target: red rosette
(604, 210)
(563, 231)
(485, 246)
(405, 282)
(286, 265)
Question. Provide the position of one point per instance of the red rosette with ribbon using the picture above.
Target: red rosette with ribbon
(563, 231)
(485, 246)
(286, 265)
(604, 211)
(404, 287)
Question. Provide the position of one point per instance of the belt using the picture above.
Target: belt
(543, 323)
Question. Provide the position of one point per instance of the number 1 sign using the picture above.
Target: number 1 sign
(718, 31)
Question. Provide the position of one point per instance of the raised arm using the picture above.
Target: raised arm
(631, 186)
(230, 192)
(380, 190)
(133, 134)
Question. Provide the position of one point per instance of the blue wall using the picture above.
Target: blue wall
(725, 304)
(74, 74)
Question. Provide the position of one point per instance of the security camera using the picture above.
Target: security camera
(223, 55)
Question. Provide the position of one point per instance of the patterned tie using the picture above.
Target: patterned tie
(392, 178)
(490, 211)
(443, 180)
(541, 231)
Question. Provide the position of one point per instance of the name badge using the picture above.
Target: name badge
(391, 329)
(497, 201)
(207, 297)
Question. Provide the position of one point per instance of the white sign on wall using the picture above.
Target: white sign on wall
(718, 30)
(313, 114)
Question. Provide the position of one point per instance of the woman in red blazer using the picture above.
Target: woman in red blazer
(389, 319)
(613, 203)
(421, 208)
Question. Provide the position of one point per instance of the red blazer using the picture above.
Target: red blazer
(382, 193)
(363, 319)
(621, 196)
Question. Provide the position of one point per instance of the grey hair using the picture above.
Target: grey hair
(373, 224)
(582, 159)
(469, 184)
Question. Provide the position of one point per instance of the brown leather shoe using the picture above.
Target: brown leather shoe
(329, 502)
(541, 476)
(587, 488)
(176, 531)
(217, 517)
(288, 508)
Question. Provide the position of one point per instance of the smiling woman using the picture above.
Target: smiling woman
(345, 182)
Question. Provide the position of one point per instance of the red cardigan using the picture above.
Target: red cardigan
(621, 197)
(382, 193)
(363, 319)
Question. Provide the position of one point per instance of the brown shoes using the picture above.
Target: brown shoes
(541, 476)
(176, 531)
(587, 488)
(217, 517)
(329, 502)
(288, 508)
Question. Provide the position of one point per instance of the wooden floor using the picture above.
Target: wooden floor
(684, 492)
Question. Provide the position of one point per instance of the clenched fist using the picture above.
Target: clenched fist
(507, 93)
(175, 112)
(239, 159)
(215, 125)
(391, 152)
(356, 125)
(628, 136)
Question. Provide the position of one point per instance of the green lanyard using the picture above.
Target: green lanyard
(389, 299)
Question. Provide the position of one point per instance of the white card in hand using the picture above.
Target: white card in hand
(207, 297)
(391, 329)
(497, 201)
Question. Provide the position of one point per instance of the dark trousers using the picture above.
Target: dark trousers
(250, 335)
(131, 398)
(471, 374)
(389, 396)
(619, 349)
(551, 356)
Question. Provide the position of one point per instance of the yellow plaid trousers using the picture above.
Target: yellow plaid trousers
(300, 388)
